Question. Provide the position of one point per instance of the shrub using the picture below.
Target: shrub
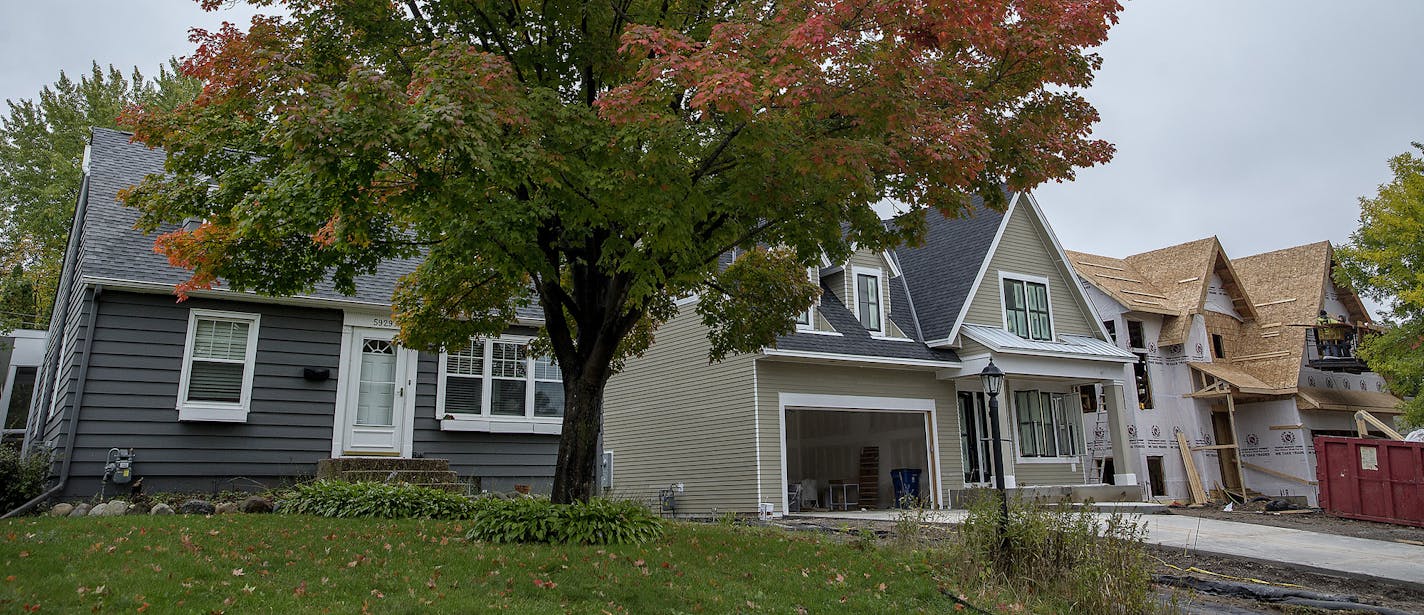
(22, 478)
(340, 499)
(1065, 555)
(597, 521)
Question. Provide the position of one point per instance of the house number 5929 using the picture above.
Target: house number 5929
(383, 322)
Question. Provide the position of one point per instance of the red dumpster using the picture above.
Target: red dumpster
(1374, 480)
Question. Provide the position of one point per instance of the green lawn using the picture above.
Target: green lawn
(273, 563)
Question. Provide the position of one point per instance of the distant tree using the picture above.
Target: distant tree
(597, 158)
(1384, 260)
(41, 149)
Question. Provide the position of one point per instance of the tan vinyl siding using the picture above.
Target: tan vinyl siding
(671, 417)
(1030, 474)
(776, 377)
(1025, 249)
(868, 260)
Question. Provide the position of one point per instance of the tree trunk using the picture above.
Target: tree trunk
(577, 468)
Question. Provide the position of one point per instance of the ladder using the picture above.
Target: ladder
(1098, 452)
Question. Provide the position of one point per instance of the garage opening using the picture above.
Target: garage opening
(850, 459)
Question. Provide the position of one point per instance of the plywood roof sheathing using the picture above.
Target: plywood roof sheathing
(1138, 292)
(1100, 265)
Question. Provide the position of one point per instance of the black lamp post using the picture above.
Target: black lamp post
(993, 379)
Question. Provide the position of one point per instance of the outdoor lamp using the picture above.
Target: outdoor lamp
(993, 378)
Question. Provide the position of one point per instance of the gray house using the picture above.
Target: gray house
(883, 375)
(232, 390)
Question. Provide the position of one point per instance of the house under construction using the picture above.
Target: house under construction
(1242, 362)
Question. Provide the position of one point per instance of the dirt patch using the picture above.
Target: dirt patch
(1170, 561)
(1312, 521)
(1177, 562)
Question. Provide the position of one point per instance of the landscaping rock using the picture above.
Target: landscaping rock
(161, 509)
(226, 508)
(197, 507)
(257, 504)
(116, 508)
(99, 509)
(80, 511)
(138, 509)
(61, 509)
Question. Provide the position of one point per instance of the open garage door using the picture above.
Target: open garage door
(844, 459)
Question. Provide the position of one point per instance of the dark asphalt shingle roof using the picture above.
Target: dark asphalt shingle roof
(113, 249)
(940, 273)
(855, 340)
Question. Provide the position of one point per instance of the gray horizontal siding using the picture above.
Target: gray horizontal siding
(498, 461)
(131, 388)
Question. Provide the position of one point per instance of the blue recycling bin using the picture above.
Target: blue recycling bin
(907, 483)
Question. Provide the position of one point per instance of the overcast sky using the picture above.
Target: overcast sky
(1258, 122)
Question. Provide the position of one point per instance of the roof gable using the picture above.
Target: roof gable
(1027, 246)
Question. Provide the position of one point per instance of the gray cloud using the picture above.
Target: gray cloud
(1259, 122)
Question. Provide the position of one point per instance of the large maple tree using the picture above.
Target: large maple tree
(598, 157)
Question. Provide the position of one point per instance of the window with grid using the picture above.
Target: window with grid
(1046, 427)
(465, 379)
(1026, 309)
(216, 379)
(500, 379)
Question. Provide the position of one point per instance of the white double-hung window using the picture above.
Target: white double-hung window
(496, 385)
(218, 360)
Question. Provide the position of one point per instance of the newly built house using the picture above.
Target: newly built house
(1248, 359)
(234, 390)
(883, 375)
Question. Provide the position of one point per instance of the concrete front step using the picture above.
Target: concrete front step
(332, 468)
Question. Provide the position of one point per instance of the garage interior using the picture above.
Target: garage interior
(843, 458)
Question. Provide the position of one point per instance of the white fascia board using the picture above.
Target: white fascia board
(849, 358)
(983, 270)
(1097, 320)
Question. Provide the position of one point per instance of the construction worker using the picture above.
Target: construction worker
(1329, 336)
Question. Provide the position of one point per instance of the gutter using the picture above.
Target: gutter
(73, 412)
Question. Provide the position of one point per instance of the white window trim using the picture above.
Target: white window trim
(1019, 457)
(218, 411)
(857, 271)
(492, 423)
(814, 274)
(1047, 291)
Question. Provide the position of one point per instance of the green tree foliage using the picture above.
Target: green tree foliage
(597, 158)
(41, 150)
(1383, 261)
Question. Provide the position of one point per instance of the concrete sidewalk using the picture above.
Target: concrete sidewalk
(1340, 555)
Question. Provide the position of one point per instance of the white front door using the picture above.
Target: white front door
(377, 387)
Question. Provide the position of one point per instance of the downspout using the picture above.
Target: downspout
(73, 411)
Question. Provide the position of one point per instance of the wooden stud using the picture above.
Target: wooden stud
(1278, 474)
(1214, 447)
(1193, 479)
(1296, 426)
(1240, 474)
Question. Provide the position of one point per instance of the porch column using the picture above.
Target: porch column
(1125, 461)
